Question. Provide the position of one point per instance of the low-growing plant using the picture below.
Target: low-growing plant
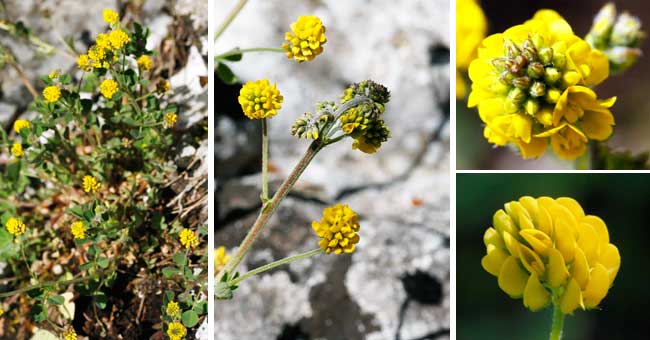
(85, 193)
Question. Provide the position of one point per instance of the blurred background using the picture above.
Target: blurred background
(396, 284)
(486, 312)
(632, 110)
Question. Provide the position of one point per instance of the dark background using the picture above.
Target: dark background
(632, 110)
(621, 200)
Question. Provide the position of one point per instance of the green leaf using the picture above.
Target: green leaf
(56, 300)
(190, 318)
(13, 170)
(103, 262)
(101, 300)
(225, 74)
(170, 271)
(87, 265)
(234, 57)
(180, 259)
(77, 211)
(201, 308)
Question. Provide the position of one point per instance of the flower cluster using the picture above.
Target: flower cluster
(90, 184)
(78, 230)
(618, 37)
(549, 251)
(531, 85)
(108, 88)
(17, 150)
(306, 39)
(176, 331)
(15, 226)
(337, 229)
(52, 94)
(169, 120)
(259, 99)
(107, 46)
(188, 238)
(358, 116)
(20, 124)
(173, 309)
(221, 258)
(471, 27)
(69, 334)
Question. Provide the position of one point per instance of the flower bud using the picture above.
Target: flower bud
(521, 82)
(626, 31)
(538, 89)
(571, 78)
(514, 100)
(531, 107)
(551, 75)
(546, 55)
(553, 95)
(535, 70)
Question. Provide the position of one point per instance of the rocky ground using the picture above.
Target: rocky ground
(396, 285)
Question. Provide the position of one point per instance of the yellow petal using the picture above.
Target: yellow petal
(611, 259)
(601, 230)
(492, 237)
(503, 223)
(536, 296)
(538, 240)
(512, 278)
(511, 244)
(493, 261)
(544, 221)
(571, 299)
(531, 206)
(556, 273)
(534, 149)
(531, 261)
(573, 206)
(598, 125)
(588, 241)
(597, 287)
(580, 269)
(564, 240)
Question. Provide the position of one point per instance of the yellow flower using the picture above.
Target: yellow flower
(70, 334)
(118, 39)
(523, 79)
(103, 41)
(20, 124)
(83, 62)
(144, 62)
(176, 331)
(169, 120)
(1, 311)
(338, 229)
(163, 86)
(110, 16)
(17, 150)
(471, 27)
(188, 238)
(173, 309)
(15, 226)
(54, 74)
(549, 251)
(90, 184)
(221, 258)
(259, 99)
(51, 94)
(78, 230)
(108, 88)
(306, 39)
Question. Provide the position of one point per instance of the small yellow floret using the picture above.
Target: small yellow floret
(221, 258)
(54, 74)
(20, 124)
(110, 16)
(338, 229)
(78, 230)
(108, 88)
(17, 150)
(169, 120)
(118, 39)
(173, 309)
(176, 331)
(83, 62)
(51, 94)
(69, 334)
(144, 62)
(188, 238)
(90, 184)
(306, 39)
(15, 226)
(259, 99)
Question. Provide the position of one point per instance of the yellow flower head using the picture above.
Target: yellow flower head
(176, 331)
(103, 41)
(118, 39)
(17, 150)
(90, 184)
(173, 309)
(78, 230)
(188, 238)
(163, 86)
(110, 16)
(306, 39)
(522, 77)
(20, 124)
(471, 27)
(1, 311)
(54, 74)
(15, 226)
(221, 258)
(169, 120)
(108, 88)
(548, 250)
(144, 62)
(259, 99)
(69, 334)
(338, 229)
(51, 94)
(83, 62)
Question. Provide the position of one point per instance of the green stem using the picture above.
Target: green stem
(268, 210)
(45, 284)
(29, 268)
(594, 156)
(231, 16)
(265, 162)
(277, 263)
(246, 50)
(558, 322)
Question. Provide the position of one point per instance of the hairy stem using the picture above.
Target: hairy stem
(231, 16)
(277, 263)
(269, 209)
(246, 50)
(44, 284)
(558, 322)
(265, 162)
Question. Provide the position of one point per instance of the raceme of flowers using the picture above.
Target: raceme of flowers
(176, 331)
(17, 150)
(69, 334)
(52, 94)
(259, 99)
(20, 124)
(306, 39)
(337, 229)
(188, 238)
(15, 226)
(359, 116)
(471, 27)
(173, 309)
(78, 230)
(90, 184)
(531, 86)
(547, 250)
